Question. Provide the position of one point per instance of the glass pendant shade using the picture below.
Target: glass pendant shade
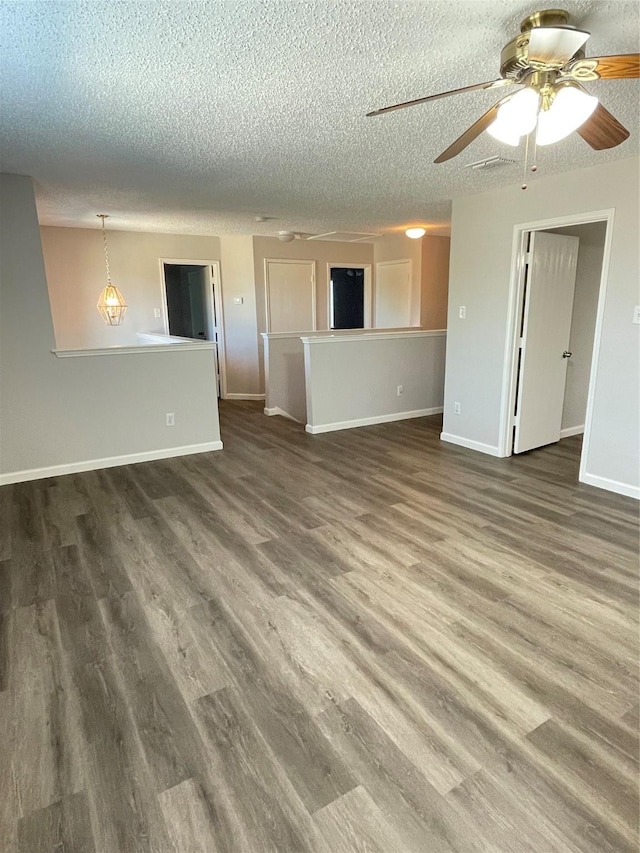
(112, 306)
(570, 108)
(516, 118)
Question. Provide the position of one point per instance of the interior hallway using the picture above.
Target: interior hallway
(360, 641)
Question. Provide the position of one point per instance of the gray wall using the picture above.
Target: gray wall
(66, 412)
(244, 370)
(481, 252)
(353, 378)
(285, 370)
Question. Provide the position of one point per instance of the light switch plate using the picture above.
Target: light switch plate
(462, 313)
(238, 300)
(636, 314)
(157, 313)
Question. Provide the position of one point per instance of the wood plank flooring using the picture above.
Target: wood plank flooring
(360, 642)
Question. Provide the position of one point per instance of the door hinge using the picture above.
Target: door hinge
(520, 343)
(516, 420)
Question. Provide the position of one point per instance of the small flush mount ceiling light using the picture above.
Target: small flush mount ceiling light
(415, 233)
(111, 304)
(286, 236)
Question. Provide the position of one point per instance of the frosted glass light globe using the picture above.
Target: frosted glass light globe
(570, 108)
(516, 118)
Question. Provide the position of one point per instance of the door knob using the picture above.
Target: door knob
(566, 354)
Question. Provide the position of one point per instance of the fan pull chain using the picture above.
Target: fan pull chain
(534, 165)
(526, 163)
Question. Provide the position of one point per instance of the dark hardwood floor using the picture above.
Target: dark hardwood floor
(360, 642)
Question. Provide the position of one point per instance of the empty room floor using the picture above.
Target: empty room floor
(361, 642)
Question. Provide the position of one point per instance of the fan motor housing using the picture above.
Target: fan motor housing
(514, 59)
(545, 18)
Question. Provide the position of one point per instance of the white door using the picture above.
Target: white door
(214, 331)
(548, 304)
(291, 296)
(392, 301)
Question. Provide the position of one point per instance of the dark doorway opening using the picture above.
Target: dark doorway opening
(187, 309)
(346, 298)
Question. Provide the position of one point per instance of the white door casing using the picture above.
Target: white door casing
(392, 299)
(545, 339)
(290, 295)
(215, 317)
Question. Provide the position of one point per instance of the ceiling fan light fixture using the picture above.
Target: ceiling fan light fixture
(570, 108)
(501, 131)
(516, 118)
(415, 233)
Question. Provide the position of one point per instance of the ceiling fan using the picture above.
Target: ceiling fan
(547, 64)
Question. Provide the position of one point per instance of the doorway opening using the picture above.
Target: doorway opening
(349, 296)
(186, 292)
(558, 284)
(193, 306)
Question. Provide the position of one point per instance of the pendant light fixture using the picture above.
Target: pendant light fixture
(111, 304)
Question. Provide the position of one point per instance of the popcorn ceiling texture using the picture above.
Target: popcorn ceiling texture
(193, 118)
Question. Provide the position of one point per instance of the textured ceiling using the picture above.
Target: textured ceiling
(194, 117)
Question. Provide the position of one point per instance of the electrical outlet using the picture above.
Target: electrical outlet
(157, 313)
(456, 408)
(636, 314)
(171, 419)
(462, 312)
(400, 390)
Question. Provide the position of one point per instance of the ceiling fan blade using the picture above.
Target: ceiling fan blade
(602, 130)
(493, 84)
(621, 67)
(555, 45)
(471, 132)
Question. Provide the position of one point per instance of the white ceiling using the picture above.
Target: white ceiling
(194, 117)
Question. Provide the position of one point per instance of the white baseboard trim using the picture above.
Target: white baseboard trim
(276, 410)
(243, 397)
(376, 419)
(569, 431)
(108, 462)
(611, 485)
(490, 449)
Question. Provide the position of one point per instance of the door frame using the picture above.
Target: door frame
(368, 292)
(514, 313)
(214, 307)
(267, 301)
(412, 294)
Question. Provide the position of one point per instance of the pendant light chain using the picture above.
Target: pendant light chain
(111, 304)
(103, 216)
